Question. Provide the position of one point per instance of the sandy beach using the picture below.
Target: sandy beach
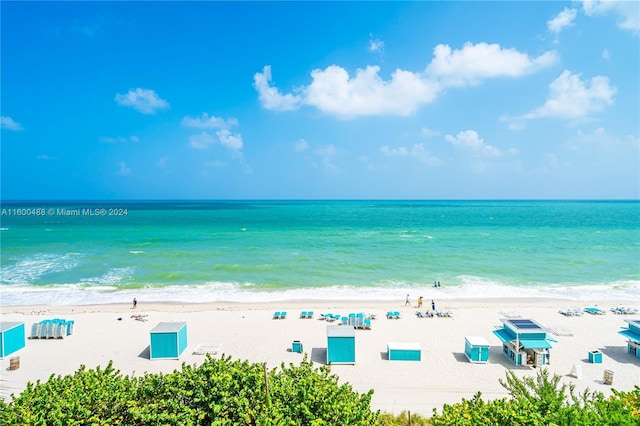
(248, 331)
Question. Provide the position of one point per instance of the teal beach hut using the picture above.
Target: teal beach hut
(341, 344)
(403, 351)
(524, 341)
(632, 332)
(168, 340)
(12, 338)
(476, 349)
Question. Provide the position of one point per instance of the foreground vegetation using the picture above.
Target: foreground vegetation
(227, 392)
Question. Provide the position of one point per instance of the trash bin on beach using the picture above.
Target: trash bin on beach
(608, 377)
(14, 363)
(595, 357)
(296, 346)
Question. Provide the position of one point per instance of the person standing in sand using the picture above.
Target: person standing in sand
(135, 303)
(433, 305)
(407, 302)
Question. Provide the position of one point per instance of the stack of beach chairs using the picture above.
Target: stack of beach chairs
(52, 329)
(358, 320)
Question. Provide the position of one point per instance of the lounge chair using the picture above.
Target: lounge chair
(283, 315)
(303, 314)
(309, 314)
(367, 324)
(594, 311)
(276, 315)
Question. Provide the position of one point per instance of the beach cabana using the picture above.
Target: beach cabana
(524, 341)
(12, 338)
(341, 344)
(632, 332)
(168, 340)
(403, 351)
(476, 349)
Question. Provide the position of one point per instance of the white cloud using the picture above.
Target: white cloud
(417, 151)
(301, 145)
(627, 12)
(9, 124)
(375, 45)
(606, 55)
(269, 96)
(145, 101)
(123, 169)
(201, 141)
(333, 91)
(571, 98)
(46, 157)
(473, 63)
(231, 141)
(207, 122)
(472, 142)
(563, 20)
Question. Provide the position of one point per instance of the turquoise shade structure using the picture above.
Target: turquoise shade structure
(341, 344)
(476, 349)
(168, 340)
(12, 338)
(632, 332)
(524, 341)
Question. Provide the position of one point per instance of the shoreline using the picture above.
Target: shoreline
(246, 330)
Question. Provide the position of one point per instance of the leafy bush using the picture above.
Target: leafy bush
(543, 401)
(219, 392)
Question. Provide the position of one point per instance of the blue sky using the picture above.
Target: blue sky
(300, 100)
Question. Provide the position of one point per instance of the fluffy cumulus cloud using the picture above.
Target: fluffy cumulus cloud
(572, 98)
(627, 12)
(366, 93)
(470, 141)
(123, 169)
(145, 101)
(9, 124)
(222, 128)
(476, 62)
(270, 96)
(563, 20)
(333, 91)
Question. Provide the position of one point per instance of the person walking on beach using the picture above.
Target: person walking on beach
(407, 302)
(135, 303)
(433, 305)
(420, 302)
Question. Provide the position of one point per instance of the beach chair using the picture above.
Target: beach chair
(283, 315)
(344, 321)
(303, 314)
(309, 314)
(396, 314)
(276, 315)
(352, 320)
(367, 324)
(594, 311)
(389, 315)
(35, 330)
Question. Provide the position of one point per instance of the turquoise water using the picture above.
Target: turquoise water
(68, 253)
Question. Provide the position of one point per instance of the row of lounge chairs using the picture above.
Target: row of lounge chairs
(52, 329)
(306, 314)
(393, 315)
(431, 314)
(571, 312)
(280, 315)
(619, 310)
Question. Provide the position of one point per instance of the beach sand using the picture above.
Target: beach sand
(247, 331)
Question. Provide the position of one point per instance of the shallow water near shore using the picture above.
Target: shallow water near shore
(254, 251)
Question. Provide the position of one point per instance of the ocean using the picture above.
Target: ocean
(64, 253)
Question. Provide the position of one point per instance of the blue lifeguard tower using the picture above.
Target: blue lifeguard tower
(632, 332)
(341, 344)
(524, 341)
(12, 338)
(168, 340)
